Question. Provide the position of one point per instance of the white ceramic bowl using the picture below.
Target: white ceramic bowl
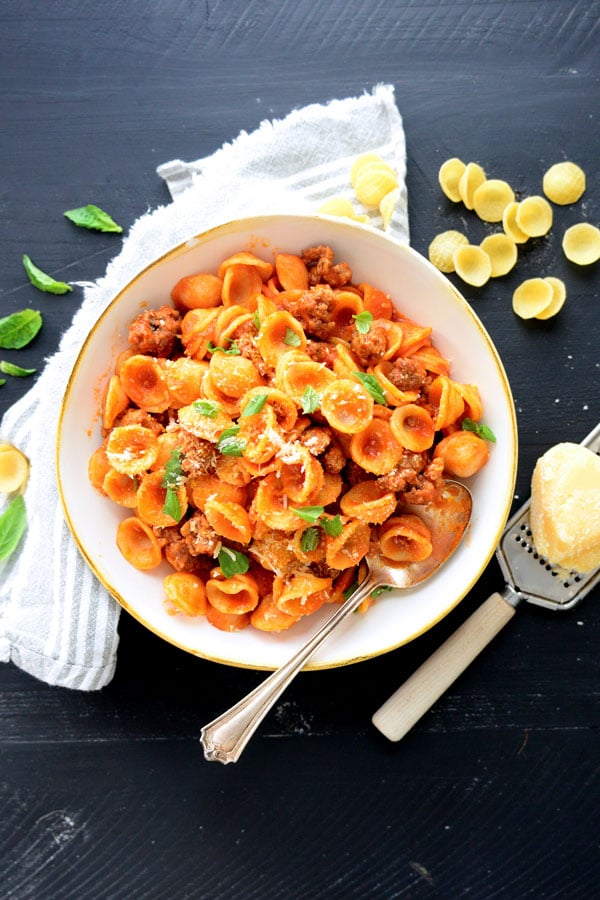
(423, 294)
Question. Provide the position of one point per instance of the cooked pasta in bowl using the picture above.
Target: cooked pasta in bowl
(261, 407)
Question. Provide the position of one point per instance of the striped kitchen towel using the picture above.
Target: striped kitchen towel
(56, 621)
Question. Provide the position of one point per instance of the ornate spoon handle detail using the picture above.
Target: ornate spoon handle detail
(225, 737)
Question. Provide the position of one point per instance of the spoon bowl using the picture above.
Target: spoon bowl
(447, 518)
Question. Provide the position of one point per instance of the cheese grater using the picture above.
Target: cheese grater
(529, 577)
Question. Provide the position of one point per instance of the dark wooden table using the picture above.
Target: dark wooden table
(495, 792)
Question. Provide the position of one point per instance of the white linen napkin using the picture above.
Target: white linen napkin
(56, 621)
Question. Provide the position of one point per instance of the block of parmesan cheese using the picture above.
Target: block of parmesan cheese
(565, 507)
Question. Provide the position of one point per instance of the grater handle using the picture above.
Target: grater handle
(418, 694)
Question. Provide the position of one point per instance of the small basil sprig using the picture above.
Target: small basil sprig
(173, 478)
(382, 589)
(42, 281)
(310, 514)
(233, 562)
(291, 339)
(208, 408)
(93, 217)
(314, 515)
(19, 329)
(310, 400)
(13, 522)
(482, 431)
(234, 350)
(363, 322)
(254, 405)
(373, 386)
(11, 369)
(229, 444)
(310, 539)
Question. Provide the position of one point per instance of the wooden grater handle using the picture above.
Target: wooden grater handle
(418, 694)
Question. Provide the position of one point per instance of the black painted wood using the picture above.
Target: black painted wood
(495, 792)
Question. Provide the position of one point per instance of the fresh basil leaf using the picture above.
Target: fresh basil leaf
(381, 590)
(92, 217)
(172, 479)
(310, 400)
(2, 381)
(291, 339)
(174, 476)
(234, 350)
(172, 506)
(332, 526)
(18, 329)
(229, 444)
(11, 369)
(208, 408)
(373, 387)
(42, 281)
(13, 522)
(310, 514)
(363, 322)
(482, 431)
(254, 405)
(350, 590)
(232, 562)
(310, 540)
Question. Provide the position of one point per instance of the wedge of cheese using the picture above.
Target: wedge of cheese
(565, 507)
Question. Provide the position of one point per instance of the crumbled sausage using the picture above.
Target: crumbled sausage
(370, 347)
(407, 374)
(198, 456)
(312, 255)
(321, 352)
(333, 459)
(155, 331)
(316, 440)
(322, 570)
(133, 416)
(200, 537)
(404, 474)
(313, 309)
(319, 261)
(245, 338)
(354, 474)
(416, 481)
(175, 549)
(424, 491)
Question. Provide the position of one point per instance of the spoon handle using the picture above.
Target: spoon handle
(225, 737)
(425, 686)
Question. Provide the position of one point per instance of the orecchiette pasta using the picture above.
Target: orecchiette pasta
(502, 252)
(581, 244)
(265, 431)
(443, 247)
(473, 265)
(559, 295)
(534, 216)
(564, 183)
(491, 198)
(510, 226)
(532, 297)
(472, 178)
(449, 175)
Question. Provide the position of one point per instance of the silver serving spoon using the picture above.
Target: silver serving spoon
(225, 737)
